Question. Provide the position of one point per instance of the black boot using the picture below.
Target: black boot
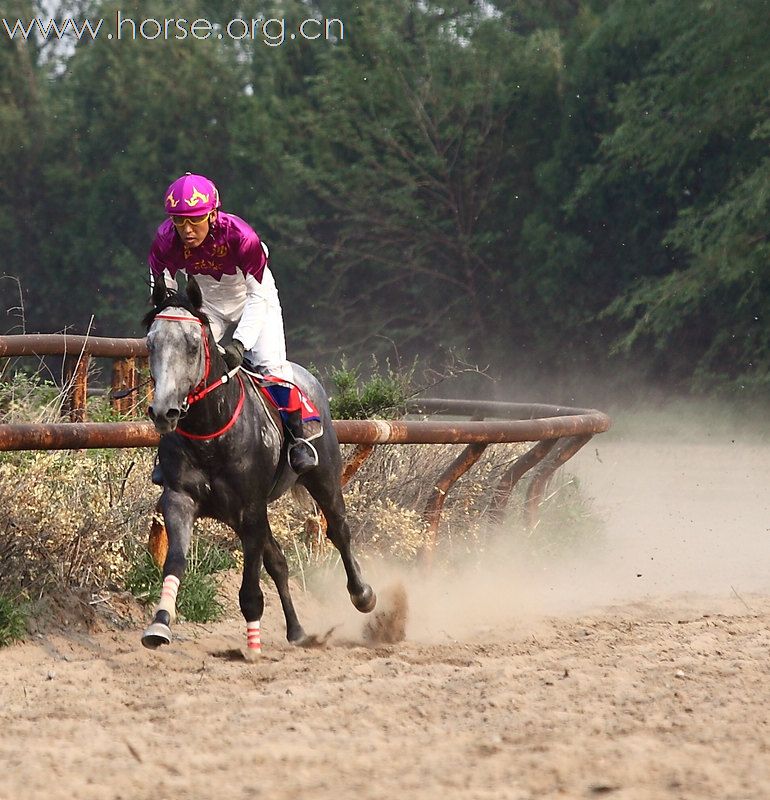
(302, 454)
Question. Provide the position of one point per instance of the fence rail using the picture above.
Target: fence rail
(128, 357)
(557, 431)
(89, 435)
(65, 344)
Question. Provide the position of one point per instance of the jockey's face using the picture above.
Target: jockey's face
(193, 230)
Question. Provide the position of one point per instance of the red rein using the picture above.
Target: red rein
(201, 390)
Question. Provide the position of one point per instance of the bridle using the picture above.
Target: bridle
(201, 389)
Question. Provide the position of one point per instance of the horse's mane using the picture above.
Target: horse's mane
(174, 299)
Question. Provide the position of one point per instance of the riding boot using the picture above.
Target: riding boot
(302, 454)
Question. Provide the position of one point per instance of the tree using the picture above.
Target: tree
(693, 127)
(416, 146)
(23, 100)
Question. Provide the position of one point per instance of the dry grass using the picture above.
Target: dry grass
(30, 398)
(77, 518)
(387, 496)
(69, 519)
(81, 519)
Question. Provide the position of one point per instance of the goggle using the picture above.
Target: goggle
(180, 222)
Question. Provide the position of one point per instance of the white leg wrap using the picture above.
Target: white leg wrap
(253, 640)
(168, 596)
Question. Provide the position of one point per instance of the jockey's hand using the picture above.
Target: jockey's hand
(233, 354)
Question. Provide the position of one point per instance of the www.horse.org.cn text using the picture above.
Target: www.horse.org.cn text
(273, 32)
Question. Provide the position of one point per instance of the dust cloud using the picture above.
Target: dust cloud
(683, 495)
(679, 514)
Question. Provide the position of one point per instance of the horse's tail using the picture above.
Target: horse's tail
(302, 498)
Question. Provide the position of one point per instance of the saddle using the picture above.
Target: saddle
(284, 397)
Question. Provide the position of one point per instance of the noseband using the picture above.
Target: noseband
(200, 390)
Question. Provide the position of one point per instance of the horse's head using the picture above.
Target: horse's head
(176, 341)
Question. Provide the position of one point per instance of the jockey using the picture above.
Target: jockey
(240, 298)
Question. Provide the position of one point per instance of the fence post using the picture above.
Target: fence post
(76, 387)
(432, 513)
(514, 473)
(559, 454)
(360, 453)
(123, 378)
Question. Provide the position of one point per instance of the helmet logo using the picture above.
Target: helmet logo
(171, 201)
(196, 197)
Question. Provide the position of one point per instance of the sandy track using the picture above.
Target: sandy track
(594, 678)
(645, 701)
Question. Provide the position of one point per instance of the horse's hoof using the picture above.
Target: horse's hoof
(156, 635)
(296, 635)
(366, 601)
(312, 640)
(251, 655)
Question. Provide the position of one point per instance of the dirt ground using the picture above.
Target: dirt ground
(639, 670)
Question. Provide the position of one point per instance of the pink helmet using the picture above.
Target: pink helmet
(191, 196)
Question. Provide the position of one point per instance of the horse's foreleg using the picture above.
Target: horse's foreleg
(179, 515)
(252, 601)
(327, 493)
(278, 570)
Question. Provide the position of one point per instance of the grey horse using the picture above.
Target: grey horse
(221, 456)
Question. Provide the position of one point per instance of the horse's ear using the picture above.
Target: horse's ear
(159, 291)
(194, 293)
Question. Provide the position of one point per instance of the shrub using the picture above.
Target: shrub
(381, 395)
(12, 621)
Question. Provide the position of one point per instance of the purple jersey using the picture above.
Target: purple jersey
(231, 245)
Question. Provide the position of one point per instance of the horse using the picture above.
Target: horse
(221, 456)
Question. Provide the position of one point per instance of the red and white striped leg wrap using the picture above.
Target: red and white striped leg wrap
(253, 640)
(168, 595)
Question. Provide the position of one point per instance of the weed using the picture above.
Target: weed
(12, 621)
(197, 599)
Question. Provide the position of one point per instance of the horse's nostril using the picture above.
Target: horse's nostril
(172, 414)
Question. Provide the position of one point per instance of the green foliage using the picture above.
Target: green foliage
(27, 396)
(12, 621)
(524, 182)
(197, 598)
(380, 395)
(419, 162)
(692, 127)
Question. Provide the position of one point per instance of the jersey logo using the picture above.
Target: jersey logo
(205, 265)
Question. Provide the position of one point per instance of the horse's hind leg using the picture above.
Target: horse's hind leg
(326, 491)
(253, 538)
(278, 570)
